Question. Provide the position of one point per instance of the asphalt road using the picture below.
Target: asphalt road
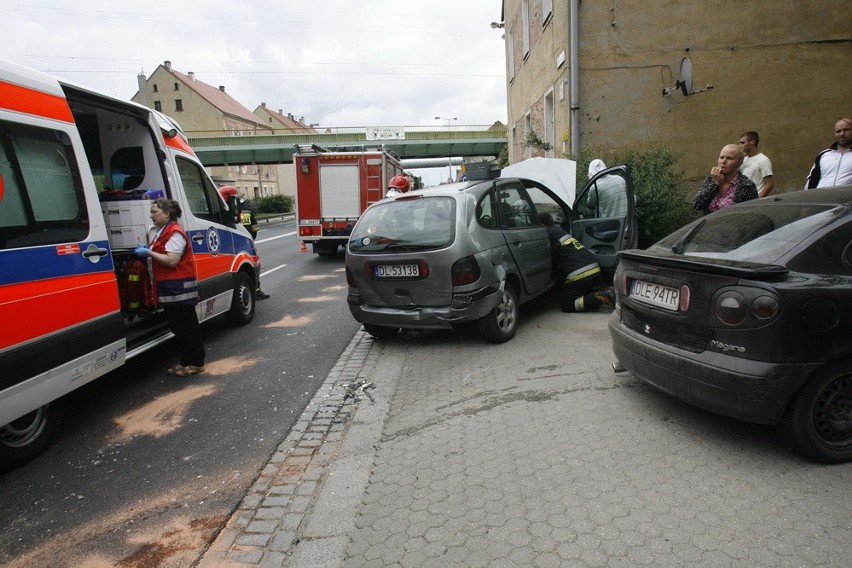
(148, 467)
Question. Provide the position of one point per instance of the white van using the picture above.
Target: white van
(76, 167)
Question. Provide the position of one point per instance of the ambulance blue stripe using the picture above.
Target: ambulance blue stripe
(39, 263)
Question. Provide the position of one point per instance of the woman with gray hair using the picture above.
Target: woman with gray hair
(725, 185)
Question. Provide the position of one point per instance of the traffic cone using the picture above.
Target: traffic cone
(303, 247)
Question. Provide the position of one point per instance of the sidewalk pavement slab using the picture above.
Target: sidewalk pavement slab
(529, 453)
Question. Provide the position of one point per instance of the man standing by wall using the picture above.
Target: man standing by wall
(833, 166)
(756, 166)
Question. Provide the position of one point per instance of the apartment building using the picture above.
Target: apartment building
(609, 74)
(204, 110)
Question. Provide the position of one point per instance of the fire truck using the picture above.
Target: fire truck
(77, 171)
(333, 187)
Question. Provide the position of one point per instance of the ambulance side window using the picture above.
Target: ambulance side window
(41, 196)
(202, 197)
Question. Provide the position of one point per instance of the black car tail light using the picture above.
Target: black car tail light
(731, 308)
(465, 271)
(350, 279)
(765, 307)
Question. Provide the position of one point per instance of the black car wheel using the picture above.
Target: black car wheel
(380, 332)
(818, 423)
(23, 439)
(242, 303)
(501, 323)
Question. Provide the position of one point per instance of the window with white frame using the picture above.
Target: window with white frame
(525, 24)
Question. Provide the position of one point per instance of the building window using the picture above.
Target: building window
(549, 123)
(178, 105)
(155, 88)
(177, 88)
(158, 106)
(546, 11)
(525, 24)
(527, 130)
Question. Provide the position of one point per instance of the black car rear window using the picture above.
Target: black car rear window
(757, 234)
(407, 224)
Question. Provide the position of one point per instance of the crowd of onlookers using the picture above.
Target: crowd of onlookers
(743, 172)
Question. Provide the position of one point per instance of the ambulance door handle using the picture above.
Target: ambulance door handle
(198, 238)
(93, 250)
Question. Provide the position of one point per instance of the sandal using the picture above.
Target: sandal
(189, 370)
(174, 370)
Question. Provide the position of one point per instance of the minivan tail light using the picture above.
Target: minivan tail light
(350, 280)
(465, 271)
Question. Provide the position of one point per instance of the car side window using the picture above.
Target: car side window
(831, 254)
(515, 207)
(543, 203)
(606, 197)
(41, 201)
(201, 196)
(486, 211)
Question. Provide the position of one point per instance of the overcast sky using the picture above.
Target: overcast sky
(335, 62)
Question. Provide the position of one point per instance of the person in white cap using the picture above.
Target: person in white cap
(609, 195)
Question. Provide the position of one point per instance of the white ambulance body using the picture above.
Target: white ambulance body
(74, 165)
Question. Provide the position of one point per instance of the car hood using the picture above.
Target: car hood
(557, 174)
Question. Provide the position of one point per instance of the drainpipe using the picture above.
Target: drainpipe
(574, 48)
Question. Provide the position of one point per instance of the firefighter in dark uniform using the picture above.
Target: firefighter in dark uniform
(249, 221)
(579, 270)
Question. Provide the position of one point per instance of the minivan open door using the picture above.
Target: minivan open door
(604, 216)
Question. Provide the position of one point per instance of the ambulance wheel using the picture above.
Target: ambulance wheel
(242, 304)
(23, 439)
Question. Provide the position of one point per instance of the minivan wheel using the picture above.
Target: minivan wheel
(380, 332)
(818, 422)
(501, 323)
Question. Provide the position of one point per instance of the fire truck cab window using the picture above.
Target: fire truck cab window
(42, 199)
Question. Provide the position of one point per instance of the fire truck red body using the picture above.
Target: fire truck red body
(333, 187)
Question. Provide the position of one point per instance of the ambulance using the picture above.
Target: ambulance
(77, 171)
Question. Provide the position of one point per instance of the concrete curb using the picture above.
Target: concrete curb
(302, 505)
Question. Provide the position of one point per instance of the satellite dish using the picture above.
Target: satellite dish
(685, 82)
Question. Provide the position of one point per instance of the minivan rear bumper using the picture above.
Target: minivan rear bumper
(465, 307)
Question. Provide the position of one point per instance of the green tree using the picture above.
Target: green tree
(274, 204)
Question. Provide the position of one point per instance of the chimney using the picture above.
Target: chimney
(263, 105)
(143, 88)
(167, 65)
(290, 115)
(302, 119)
(191, 75)
(281, 111)
(222, 88)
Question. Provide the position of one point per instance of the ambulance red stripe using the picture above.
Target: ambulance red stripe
(44, 306)
(29, 101)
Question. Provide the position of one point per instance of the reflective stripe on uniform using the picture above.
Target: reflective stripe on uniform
(585, 271)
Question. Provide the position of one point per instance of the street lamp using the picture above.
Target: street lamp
(449, 158)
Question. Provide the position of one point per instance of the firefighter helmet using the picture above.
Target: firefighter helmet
(399, 182)
(227, 191)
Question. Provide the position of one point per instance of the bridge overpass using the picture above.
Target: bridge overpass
(406, 142)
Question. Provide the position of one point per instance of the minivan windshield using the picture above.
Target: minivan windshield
(406, 224)
(755, 234)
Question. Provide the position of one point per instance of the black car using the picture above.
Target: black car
(747, 312)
